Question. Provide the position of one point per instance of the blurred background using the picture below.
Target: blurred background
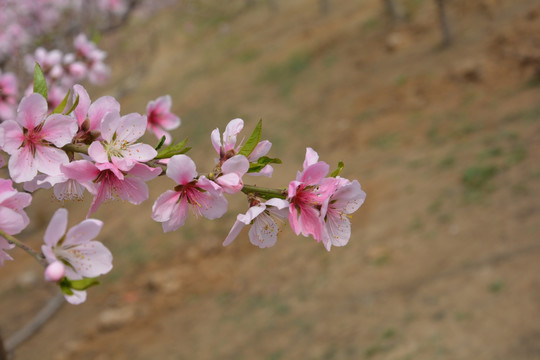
(441, 126)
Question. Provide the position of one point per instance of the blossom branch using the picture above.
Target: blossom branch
(265, 193)
(79, 148)
(37, 255)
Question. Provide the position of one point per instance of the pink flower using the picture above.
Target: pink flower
(226, 147)
(267, 219)
(232, 171)
(204, 196)
(89, 116)
(8, 95)
(118, 145)
(33, 141)
(64, 188)
(347, 198)
(307, 194)
(107, 182)
(55, 271)
(161, 119)
(13, 219)
(83, 257)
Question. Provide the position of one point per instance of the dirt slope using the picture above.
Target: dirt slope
(444, 260)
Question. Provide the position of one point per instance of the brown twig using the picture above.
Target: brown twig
(52, 306)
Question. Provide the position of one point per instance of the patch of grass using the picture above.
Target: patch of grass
(490, 152)
(371, 23)
(496, 287)
(528, 115)
(416, 224)
(389, 333)
(284, 74)
(248, 55)
(384, 141)
(478, 177)
(520, 190)
(401, 80)
(462, 316)
(447, 162)
(373, 350)
(329, 61)
(516, 155)
(435, 206)
(365, 115)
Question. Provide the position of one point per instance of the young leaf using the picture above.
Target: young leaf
(256, 167)
(253, 140)
(83, 284)
(338, 170)
(40, 84)
(172, 150)
(62, 105)
(160, 143)
(75, 103)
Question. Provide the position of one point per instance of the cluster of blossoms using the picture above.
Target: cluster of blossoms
(92, 147)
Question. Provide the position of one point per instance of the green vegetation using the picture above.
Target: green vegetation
(285, 74)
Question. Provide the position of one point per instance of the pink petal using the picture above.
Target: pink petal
(133, 190)
(84, 103)
(277, 203)
(181, 169)
(49, 159)
(216, 208)
(22, 165)
(251, 214)
(97, 152)
(337, 231)
(11, 136)
(11, 221)
(140, 152)
(159, 132)
(264, 231)
(90, 259)
(261, 149)
(164, 205)
(145, 172)
(109, 125)
(59, 129)
(80, 170)
(32, 110)
(57, 227)
(267, 171)
(311, 157)
(170, 121)
(349, 197)
(231, 131)
(231, 183)
(77, 298)
(235, 231)
(99, 108)
(178, 216)
(131, 127)
(4, 245)
(237, 164)
(55, 271)
(83, 232)
(313, 174)
(215, 137)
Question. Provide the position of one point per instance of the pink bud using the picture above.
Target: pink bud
(55, 271)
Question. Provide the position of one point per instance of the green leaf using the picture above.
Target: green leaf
(338, 170)
(83, 284)
(74, 105)
(65, 288)
(172, 150)
(253, 140)
(256, 167)
(62, 105)
(160, 143)
(40, 84)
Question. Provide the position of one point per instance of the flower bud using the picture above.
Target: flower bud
(55, 271)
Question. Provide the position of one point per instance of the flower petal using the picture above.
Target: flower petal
(84, 103)
(264, 231)
(59, 129)
(140, 152)
(164, 205)
(181, 169)
(99, 108)
(83, 232)
(178, 216)
(32, 110)
(56, 228)
(97, 152)
(22, 165)
(49, 159)
(131, 127)
(90, 259)
(11, 136)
